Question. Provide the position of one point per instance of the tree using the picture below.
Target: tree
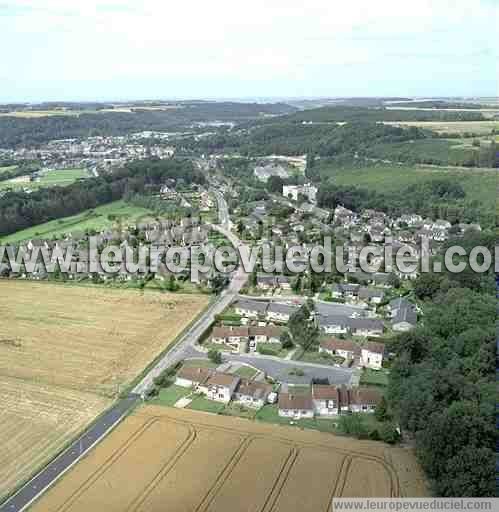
(215, 356)
(381, 411)
(393, 280)
(286, 340)
(427, 285)
(274, 184)
(388, 433)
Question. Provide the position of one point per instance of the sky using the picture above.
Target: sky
(151, 49)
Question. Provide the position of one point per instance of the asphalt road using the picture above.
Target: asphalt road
(281, 369)
(47, 476)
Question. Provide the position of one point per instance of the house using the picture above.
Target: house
(221, 386)
(280, 312)
(366, 327)
(371, 355)
(371, 296)
(268, 334)
(269, 281)
(294, 191)
(252, 393)
(250, 308)
(403, 314)
(411, 220)
(333, 324)
(192, 376)
(345, 291)
(364, 399)
(326, 399)
(347, 349)
(232, 336)
(295, 406)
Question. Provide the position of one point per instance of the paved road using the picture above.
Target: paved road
(190, 338)
(279, 368)
(45, 478)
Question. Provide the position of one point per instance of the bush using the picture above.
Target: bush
(267, 351)
(389, 434)
(215, 356)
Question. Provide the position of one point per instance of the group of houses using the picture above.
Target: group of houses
(323, 400)
(224, 387)
(264, 310)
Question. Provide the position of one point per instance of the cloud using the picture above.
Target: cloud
(268, 43)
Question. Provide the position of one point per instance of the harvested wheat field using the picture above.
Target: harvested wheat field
(161, 459)
(65, 351)
(87, 338)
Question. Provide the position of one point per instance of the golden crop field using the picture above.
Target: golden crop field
(65, 352)
(167, 459)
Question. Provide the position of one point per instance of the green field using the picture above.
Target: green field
(479, 184)
(60, 177)
(97, 219)
(7, 168)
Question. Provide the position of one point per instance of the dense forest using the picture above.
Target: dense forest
(19, 210)
(442, 383)
(17, 131)
(297, 139)
(350, 114)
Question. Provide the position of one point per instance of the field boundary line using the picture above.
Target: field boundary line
(165, 469)
(224, 474)
(281, 479)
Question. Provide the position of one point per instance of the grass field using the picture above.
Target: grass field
(96, 219)
(461, 127)
(479, 184)
(59, 177)
(7, 168)
(165, 459)
(64, 355)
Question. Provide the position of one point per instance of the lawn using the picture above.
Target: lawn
(97, 219)
(246, 372)
(201, 363)
(170, 395)
(374, 377)
(60, 177)
(234, 409)
(7, 168)
(270, 414)
(319, 358)
(200, 403)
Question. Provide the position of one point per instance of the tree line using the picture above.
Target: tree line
(20, 210)
(442, 383)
